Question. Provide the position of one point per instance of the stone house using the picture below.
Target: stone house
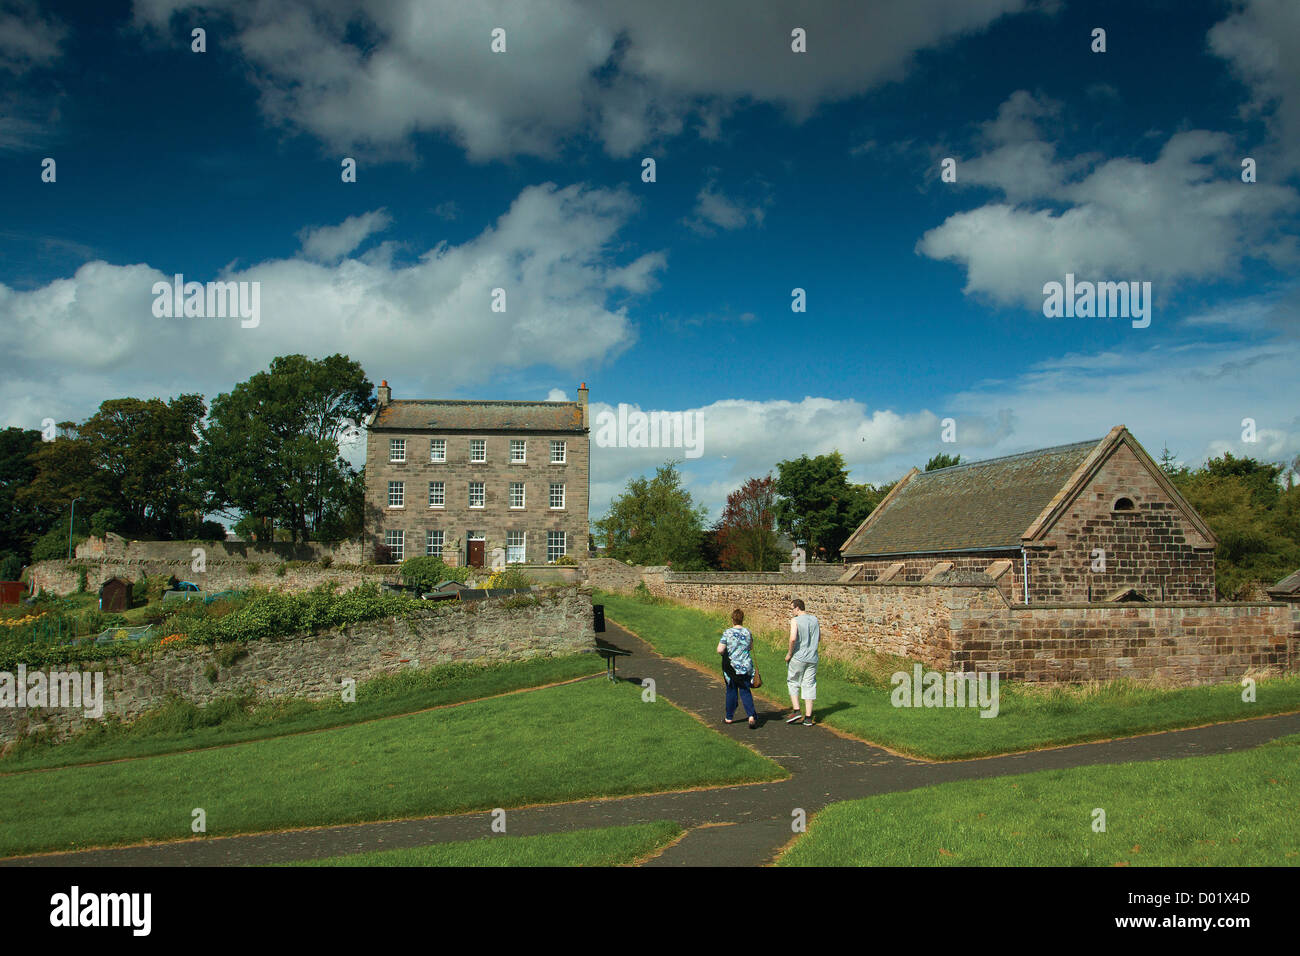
(1096, 521)
(474, 481)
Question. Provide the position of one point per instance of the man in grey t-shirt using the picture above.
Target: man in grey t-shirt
(801, 676)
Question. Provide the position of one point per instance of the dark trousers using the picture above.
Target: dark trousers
(738, 686)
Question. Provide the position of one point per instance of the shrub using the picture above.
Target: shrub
(426, 572)
(11, 566)
(274, 613)
(326, 560)
(280, 569)
(566, 559)
(509, 578)
(82, 581)
(383, 554)
(253, 567)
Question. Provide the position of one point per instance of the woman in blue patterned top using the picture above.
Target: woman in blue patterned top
(736, 648)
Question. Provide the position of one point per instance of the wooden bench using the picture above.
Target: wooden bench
(611, 654)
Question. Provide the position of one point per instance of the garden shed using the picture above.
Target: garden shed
(115, 595)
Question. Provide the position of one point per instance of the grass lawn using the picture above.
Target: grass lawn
(607, 846)
(1234, 809)
(570, 742)
(180, 725)
(857, 699)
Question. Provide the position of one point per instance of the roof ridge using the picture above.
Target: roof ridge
(477, 401)
(1022, 454)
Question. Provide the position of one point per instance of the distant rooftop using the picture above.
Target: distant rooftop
(412, 414)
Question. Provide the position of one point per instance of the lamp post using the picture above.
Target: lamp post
(71, 521)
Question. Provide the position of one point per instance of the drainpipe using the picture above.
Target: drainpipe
(1024, 574)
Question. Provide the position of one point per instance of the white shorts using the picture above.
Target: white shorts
(802, 676)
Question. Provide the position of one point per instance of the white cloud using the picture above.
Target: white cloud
(1261, 40)
(741, 439)
(331, 243)
(29, 41)
(630, 71)
(427, 326)
(1184, 216)
(713, 208)
(27, 38)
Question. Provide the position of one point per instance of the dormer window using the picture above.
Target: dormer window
(1123, 504)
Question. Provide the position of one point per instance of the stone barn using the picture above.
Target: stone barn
(1096, 521)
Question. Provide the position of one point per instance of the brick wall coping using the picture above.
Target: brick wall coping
(1099, 605)
(778, 577)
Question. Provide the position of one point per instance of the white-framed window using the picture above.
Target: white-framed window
(397, 449)
(516, 494)
(478, 449)
(556, 546)
(437, 449)
(518, 451)
(437, 494)
(433, 543)
(396, 541)
(397, 494)
(557, 495)
(514, 547)
(477, 497)
(559, 452)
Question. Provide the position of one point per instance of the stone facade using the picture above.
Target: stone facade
(1152, 548)
(313, 666)
(437, 495)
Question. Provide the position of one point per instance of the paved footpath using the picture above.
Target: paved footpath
(743, 825)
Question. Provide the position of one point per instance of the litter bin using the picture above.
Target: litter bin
(598, 618)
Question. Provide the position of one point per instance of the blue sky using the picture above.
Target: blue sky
(775, 170)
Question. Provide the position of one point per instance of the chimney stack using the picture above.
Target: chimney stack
(385, 393)
(582, 400)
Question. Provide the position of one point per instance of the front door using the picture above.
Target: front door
(476, 547)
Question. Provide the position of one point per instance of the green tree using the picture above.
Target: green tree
(942, 461)
(271, 446)
(20, 525)
(63, 471)
(654, 522)
(818, 506)
(1256, 521)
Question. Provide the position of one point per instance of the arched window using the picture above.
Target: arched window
(1123, 504)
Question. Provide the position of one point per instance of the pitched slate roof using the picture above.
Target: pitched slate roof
(983, 504)
(1288, 585)
(407, 415)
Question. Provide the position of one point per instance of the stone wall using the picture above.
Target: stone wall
(313, 666)
(63, 577)
(116, 548)
(974, 627)
(608, 574)
(1005, 569)
(1182, 644)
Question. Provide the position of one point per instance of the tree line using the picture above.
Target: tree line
(265, 453)
(1253, 508)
